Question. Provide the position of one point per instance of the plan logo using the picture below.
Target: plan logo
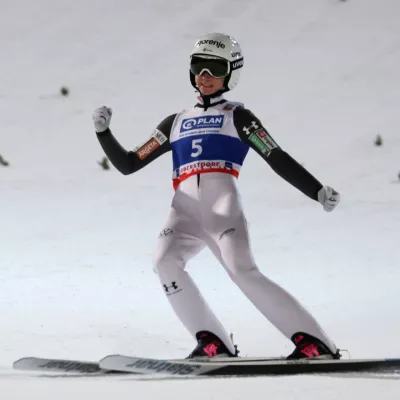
(205, 122)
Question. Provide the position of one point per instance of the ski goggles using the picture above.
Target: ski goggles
(217, 67)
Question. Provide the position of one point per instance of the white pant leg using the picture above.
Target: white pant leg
(229, 241)
(179, 241)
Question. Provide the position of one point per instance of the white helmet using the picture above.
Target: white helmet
(219, 45)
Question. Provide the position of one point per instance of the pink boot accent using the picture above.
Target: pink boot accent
(211, 349)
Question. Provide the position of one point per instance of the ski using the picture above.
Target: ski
(247, 367)
(223, 367)
(59, 366)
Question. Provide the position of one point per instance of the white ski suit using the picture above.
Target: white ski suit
(209, 145)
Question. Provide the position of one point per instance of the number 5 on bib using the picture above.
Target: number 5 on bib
(197, 147)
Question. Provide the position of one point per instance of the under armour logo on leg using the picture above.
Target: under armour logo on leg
(172, 289)
(165, 232)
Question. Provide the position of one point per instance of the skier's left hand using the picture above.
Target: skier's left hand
(329, 198)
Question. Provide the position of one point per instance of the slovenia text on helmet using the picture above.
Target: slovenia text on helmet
(219, 45)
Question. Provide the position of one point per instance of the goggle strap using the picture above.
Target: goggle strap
(236, 64)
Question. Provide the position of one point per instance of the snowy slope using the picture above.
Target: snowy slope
(76, 242)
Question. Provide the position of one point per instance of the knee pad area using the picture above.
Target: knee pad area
(165, 261)
(240, 272)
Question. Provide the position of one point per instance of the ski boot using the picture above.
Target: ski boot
(210, 345)
(308, 346)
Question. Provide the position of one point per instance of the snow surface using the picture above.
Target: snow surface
(76, 278)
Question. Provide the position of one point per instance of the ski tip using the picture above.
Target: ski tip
(107, 362)
(21, 363)
(56, 365)
(110, 357)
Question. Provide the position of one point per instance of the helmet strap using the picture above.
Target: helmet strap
(226, 81)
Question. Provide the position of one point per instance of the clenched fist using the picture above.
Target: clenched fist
(329, 198)
(101, 118)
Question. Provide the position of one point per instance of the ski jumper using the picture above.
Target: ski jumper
(209, 144)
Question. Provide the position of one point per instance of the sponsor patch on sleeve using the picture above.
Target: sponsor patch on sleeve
(149, 145)
(262, 141)
(146, 149)
(269, 142)
(159, 136)
(258, 143)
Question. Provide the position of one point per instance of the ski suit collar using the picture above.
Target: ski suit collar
(210, 101)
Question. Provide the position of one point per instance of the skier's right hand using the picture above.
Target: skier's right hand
(102, 118)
